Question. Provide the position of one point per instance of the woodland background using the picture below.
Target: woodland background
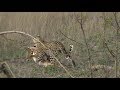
(95, 36)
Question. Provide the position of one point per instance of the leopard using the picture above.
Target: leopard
(40, 56)
(43, 54)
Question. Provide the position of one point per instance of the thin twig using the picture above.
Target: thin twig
(116, 20)
(68, 37)
(110, 51)
(104, 40)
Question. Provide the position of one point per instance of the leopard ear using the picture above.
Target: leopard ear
(40, 38)
(71, 48)
(35, 40)
(28, 49)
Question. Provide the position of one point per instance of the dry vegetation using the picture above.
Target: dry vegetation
(95, 36)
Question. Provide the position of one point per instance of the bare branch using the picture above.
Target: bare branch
(68, 37)
(110, 51)
(115, 57)
(116, 20)
(80, 21)
(103, 38)
(117, 32)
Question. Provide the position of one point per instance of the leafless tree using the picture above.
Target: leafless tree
(81, 21)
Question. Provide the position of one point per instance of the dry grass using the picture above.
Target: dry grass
(49, 26)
